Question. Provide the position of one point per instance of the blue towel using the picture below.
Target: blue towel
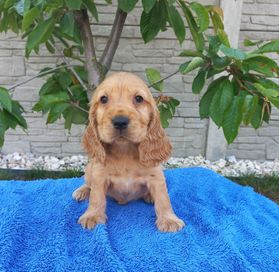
(229, 228)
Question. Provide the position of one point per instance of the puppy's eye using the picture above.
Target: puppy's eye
(138, 99)
(104, 99)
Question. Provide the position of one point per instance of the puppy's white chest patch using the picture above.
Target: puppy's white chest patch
(125, 190)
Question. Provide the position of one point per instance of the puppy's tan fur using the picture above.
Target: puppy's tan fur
(125, 165)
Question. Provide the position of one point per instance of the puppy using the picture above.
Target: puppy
(126, 145)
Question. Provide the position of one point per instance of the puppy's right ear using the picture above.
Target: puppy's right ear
(91, 140)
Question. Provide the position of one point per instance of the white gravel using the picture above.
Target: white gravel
(228, 167)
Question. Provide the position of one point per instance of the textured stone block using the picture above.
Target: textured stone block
(12, 66)
(26, 94)
(272, 150)
(72, 148)
(248, 155)
(270, 9)
(175, 132)
(15, 146)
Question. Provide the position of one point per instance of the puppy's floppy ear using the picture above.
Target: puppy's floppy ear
(91, 140)
(155, 148)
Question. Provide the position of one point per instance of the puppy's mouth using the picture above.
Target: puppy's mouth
(121, 135)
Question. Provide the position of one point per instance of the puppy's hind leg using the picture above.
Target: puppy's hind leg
(81, 193)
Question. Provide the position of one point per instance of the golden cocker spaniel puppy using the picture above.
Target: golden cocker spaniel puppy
(126, 144)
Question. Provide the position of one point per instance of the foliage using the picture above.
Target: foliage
(63, 95)
(241, 90)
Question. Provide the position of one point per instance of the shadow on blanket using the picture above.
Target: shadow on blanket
(229, 228)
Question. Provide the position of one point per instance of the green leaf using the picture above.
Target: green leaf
(268, 84)
(40, 34)
(5, 99)
(64, 78)
(216, 20)
(223, 37)
(249, 108)
(233, 53)
(269, 47)
(202, 14)
(90, 5)
(148, 5)
(56, 111)
(171, 105)
(190, 53)
(220, 63)
(49, 47)
(205, 103)
(67, 24)
(153, 76)
(9, 3)
(221, 101)
(27, 5)
(263, 65)
(177, 23)
(212, 72)
(267, 112)
(275, 101)
(214, 44)
(152, 22)
(29, 17)
(257, 120)
(171, 2)
(48, 101)
(199, 81)
(266, 92)
(247, 42)
(208, 96)
(73, 4)
(165, 115)
(3, 127)
(197, 37)
(191, 65)
(127, 5)
(232, 119)
(17, 111)
(79, 94)
(73, 115)
(51, 86)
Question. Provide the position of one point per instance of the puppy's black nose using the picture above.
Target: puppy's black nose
(120, 122)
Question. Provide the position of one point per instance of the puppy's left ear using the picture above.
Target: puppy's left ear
(156, 147)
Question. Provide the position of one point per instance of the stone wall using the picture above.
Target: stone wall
(188, 133)
(260, 21)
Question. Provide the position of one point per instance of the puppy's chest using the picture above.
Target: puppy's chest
(126, 188)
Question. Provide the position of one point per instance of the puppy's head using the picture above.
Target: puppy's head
(123, 110)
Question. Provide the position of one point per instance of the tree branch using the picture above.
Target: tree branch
(39, 75)
(70, 67)
(164, 78)
(91, 64)
(114, 38)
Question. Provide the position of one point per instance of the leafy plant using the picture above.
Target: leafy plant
(241, 92)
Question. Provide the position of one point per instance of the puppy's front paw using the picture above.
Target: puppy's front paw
(81, 193)
(90, 219)
(169, 223)
(148, 198)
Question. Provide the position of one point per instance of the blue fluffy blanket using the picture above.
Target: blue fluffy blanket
(229, 228)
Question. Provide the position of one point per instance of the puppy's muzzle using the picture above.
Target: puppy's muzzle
(120, 122)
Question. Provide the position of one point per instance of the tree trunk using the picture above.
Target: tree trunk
(97, 70)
